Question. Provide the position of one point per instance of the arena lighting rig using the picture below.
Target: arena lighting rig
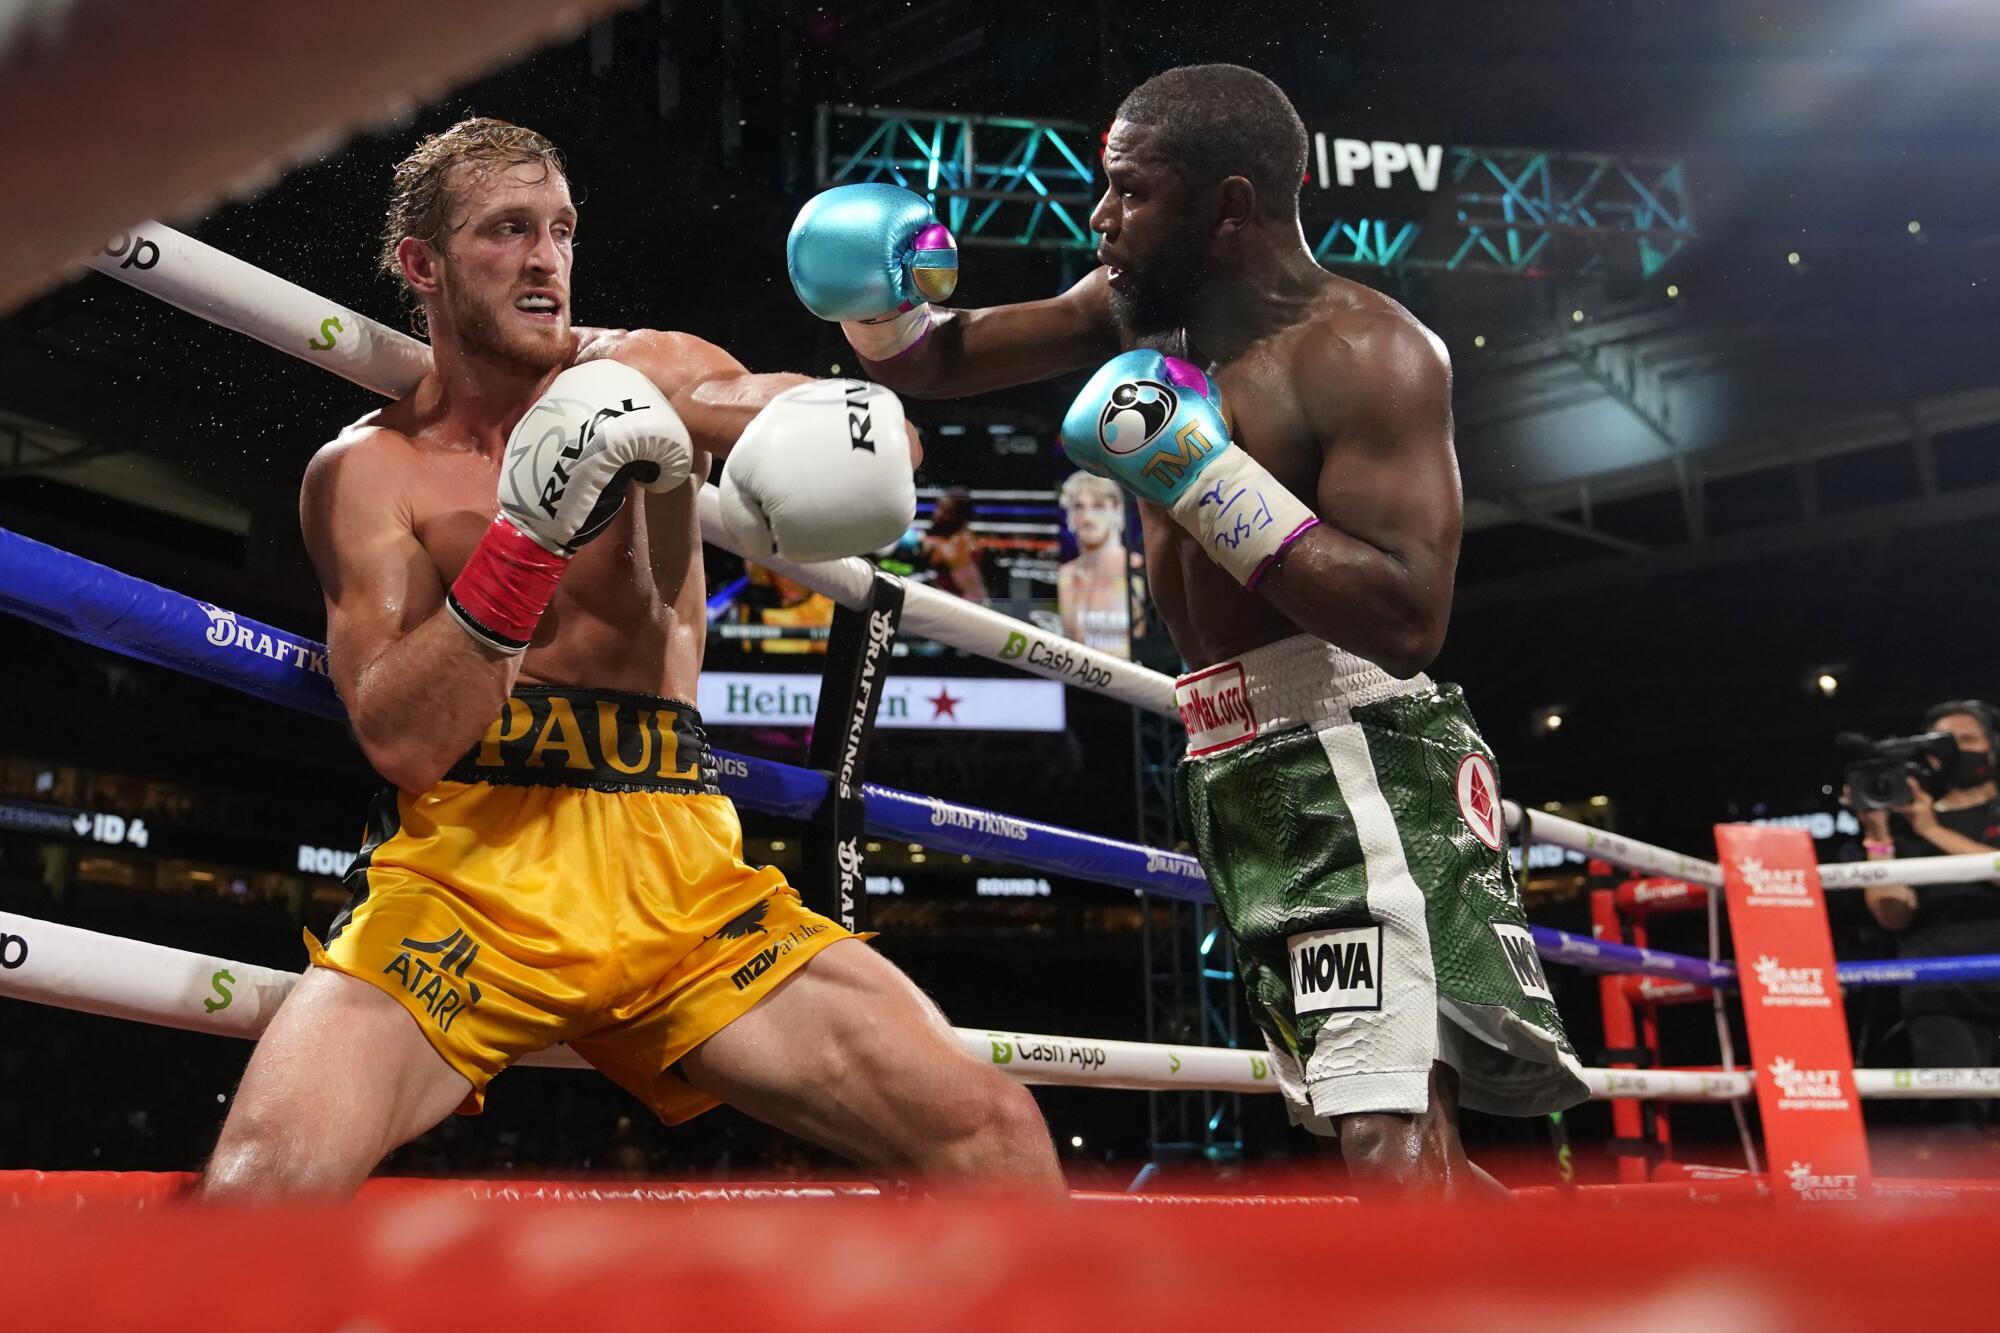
(1020, 182)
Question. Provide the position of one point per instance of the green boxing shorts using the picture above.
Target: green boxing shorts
(1350, 827)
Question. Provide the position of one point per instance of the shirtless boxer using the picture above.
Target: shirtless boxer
(1288, 434)
(1093, 592)
(553, 862)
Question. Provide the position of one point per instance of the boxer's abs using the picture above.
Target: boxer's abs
(1210, 616)
(638, 649)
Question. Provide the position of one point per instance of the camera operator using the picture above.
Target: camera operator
(1947, 1025)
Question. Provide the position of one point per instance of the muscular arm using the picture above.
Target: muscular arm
(419, 692)
(715, 394)
(974, 351)
(1375, 576)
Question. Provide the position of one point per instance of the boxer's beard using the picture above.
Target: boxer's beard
(484, 328)
(1158, 297)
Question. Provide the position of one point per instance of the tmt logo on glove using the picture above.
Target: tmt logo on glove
(1135, 415)
(1154, 424)
(1147, 421)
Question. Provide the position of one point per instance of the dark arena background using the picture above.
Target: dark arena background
(1720, 285)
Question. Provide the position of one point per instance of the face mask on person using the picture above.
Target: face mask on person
(1972, 768)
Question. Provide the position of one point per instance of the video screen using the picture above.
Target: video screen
(1064, 558)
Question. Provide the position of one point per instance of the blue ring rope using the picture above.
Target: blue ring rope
(122, 614)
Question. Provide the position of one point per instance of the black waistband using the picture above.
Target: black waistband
(557, 736)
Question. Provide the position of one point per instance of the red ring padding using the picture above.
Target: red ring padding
(142, 1189)
(427, 1260)
(1673, 1182)
(80, 1189)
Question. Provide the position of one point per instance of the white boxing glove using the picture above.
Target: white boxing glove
(824, 471)
(600, 425)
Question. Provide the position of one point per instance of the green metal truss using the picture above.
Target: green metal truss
(996, 180)
(1014, 181)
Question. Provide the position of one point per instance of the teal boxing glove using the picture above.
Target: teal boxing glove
(872, 257)
(1154, 424)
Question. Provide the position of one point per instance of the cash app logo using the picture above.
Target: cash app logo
(222, 994)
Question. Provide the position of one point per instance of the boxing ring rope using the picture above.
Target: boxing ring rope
(127, 615)
(216, 286)
(202, 280)
(124, 614)
(408, 1253)
(108, 975)
(114, 977)
(130, 979)
(1632, 854)
(1629, 853)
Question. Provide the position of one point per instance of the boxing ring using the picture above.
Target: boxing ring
(134, 980)
(129, 979)
(109, 89)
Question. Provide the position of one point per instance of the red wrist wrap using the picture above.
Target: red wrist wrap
(506, 585)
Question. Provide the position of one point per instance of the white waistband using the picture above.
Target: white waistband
(1297, 682)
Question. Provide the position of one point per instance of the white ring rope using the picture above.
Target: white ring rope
(127, 979)
(70, 968)
(1914, 871)
(222, 289)
(1631, 854)
(117, 110)
(202, 280)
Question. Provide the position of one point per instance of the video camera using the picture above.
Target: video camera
(1878, 778)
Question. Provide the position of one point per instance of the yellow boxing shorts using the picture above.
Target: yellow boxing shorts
(578, 877)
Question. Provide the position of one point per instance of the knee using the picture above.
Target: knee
(998, 1117)
(244, 1165)
(1015, 1121)
(256, 1161)
(996, 1131)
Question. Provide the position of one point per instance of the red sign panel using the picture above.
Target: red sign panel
(1791, 1005)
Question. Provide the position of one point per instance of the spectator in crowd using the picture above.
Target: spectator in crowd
(1952, 1025)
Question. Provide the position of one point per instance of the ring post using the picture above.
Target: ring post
(850, 693)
